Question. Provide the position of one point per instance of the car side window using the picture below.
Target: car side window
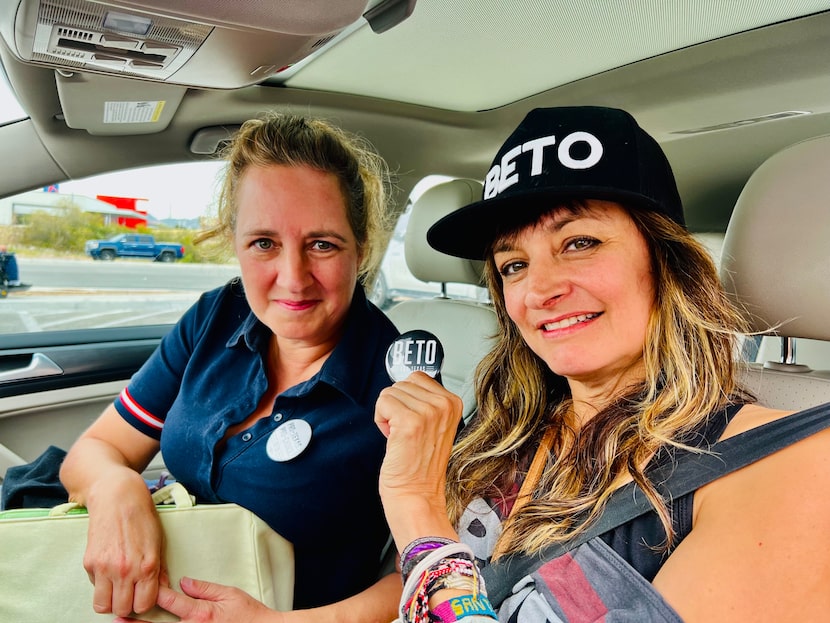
(396, 283)
(109, 251)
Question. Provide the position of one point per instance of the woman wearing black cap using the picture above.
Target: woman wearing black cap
(614, 364)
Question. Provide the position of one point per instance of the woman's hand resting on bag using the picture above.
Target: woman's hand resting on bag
(125, 541)
(419, 418)
(124, 554)
(206, 602)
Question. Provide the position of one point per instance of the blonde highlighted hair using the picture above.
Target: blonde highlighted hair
(689, 360)
(294, 140)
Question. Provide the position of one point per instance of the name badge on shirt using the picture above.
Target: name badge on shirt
(288, 440)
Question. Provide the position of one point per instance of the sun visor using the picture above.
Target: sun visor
(110, 105)
(202, 43)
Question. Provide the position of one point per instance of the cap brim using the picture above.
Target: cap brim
(469, 231)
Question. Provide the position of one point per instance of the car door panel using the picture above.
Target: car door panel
(90, 369)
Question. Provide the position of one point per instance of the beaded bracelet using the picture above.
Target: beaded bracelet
(464, 606)
(456, 573)
(451, 573)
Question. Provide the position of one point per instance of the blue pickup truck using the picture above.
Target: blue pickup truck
(134, 245)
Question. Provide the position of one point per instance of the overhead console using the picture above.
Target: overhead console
(200, 43)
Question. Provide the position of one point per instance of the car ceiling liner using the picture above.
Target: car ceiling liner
(195, 43)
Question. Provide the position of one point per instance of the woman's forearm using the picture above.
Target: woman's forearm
(92, 463)
(111, 453)
(376, 604)
(414, 517)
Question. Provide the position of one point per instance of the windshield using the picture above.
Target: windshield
(10, 109)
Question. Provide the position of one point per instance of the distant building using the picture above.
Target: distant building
(115, 210)
(135, 218)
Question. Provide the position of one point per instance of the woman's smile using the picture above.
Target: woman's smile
(559, 327)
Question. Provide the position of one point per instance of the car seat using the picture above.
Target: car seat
(464, 327)
(776, 263)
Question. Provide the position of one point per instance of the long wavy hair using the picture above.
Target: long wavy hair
(294, 140)
(689, 361)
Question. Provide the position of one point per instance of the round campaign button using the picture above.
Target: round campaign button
(288, 440)
(414, 350)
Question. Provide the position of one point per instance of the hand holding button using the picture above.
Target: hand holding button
(419, 419)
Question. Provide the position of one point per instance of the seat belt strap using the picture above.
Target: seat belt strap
(687, 473)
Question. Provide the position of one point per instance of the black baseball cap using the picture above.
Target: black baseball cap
(557, 154)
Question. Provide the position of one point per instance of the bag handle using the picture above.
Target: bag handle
(63, 509)
(687, 473)
(174, 493)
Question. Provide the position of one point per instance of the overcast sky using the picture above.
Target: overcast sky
(182, 191)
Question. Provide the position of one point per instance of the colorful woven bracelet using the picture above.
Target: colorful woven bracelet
(445, 573)
(452, 573)
(464, 606)
(414, 604)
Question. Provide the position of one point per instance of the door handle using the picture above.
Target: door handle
(39, 366)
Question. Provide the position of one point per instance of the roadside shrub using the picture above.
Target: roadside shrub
(9, 236)
(64, 232)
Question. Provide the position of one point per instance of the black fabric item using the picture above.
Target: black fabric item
(687, 474)
(640, 542)
(36, 484)
(558, 154)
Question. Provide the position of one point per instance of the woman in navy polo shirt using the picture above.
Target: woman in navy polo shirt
(263, 393)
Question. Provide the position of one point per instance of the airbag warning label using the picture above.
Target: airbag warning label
(132, 112)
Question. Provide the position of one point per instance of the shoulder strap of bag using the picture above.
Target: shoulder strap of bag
(687, 473)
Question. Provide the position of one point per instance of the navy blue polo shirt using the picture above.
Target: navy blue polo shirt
(208, 374)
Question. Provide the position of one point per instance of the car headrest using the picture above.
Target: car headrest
(776, 253)
(423, 261)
